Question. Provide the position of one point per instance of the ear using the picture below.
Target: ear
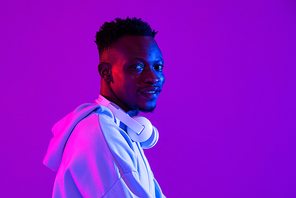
(105, 71)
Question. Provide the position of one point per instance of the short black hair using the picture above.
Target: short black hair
(109, 33)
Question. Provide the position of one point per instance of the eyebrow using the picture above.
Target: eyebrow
(142, 60)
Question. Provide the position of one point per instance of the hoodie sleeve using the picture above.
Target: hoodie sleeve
(99, 161)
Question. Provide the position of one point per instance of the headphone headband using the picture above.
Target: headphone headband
(139, 128)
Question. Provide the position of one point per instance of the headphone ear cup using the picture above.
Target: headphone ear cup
(152, 140)
(145, 134)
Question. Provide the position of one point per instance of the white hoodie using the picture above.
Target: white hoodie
(93, 157)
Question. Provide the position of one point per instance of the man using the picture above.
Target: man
(97, 150)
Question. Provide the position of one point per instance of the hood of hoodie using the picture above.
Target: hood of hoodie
(63, 129)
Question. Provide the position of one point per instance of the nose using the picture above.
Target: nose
(151, 76)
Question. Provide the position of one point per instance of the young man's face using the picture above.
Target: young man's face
(137, 72)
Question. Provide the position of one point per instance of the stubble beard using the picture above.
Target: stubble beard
(146, 109)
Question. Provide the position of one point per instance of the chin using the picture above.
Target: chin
(147, 109)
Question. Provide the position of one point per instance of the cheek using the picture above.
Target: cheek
(117, 75)
(131, 86)
(162, 79)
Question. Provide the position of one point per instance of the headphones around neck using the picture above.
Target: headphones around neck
(139, 128)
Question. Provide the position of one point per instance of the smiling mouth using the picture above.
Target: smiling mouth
(149, 94)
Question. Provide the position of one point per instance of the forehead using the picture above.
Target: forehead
(137, 47)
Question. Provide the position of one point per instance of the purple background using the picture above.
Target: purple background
(227, 113)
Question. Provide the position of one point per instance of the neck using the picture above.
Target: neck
(110, 95)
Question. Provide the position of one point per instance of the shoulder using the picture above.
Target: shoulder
(98, 137)
(119, 143)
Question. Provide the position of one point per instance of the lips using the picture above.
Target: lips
(149, 92)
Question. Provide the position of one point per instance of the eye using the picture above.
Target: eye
(158, 67)
(138, 66)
